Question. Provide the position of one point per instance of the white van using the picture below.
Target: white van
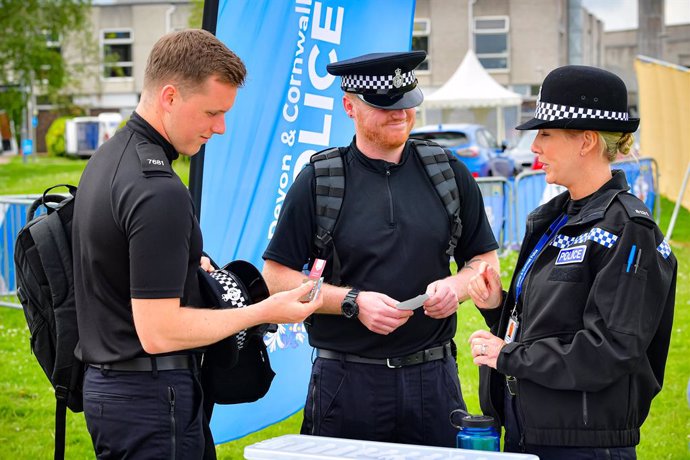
(83, 135)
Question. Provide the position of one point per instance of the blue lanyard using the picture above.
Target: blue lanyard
(543, 242)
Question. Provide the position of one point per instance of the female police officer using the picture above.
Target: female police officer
(578, 350)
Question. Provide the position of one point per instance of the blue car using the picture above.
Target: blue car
(473, 144)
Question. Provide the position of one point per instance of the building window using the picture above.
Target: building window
(53, 45)
(116, 47)
(420, 41)
(491, 42)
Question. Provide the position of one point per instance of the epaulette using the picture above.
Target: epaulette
(636, 209)
(154, 163)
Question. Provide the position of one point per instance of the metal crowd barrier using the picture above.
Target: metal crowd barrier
(643, 178)
(497, 193)
(13, 211)
(531, 190)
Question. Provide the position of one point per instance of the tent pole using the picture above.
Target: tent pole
(500, 125)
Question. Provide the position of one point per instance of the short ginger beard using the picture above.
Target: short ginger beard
(385, 138)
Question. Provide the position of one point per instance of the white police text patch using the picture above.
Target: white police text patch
(573, 255)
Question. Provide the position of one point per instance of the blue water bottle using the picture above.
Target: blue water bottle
(477, 432)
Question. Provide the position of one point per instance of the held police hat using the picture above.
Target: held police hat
(236, 369)
(584, 98)
(382, 80)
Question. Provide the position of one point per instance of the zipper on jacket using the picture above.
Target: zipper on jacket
(390, 197)
(585, 414)
(173, 429)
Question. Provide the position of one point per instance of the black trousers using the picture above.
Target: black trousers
(409, 405)
(511, 443)
(145, 415)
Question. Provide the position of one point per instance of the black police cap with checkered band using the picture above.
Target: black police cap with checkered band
(236, 369)
(382, 80)
(582, 97)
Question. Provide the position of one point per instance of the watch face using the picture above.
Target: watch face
(350, 308)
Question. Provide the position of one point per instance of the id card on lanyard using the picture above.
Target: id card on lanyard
(544, 241)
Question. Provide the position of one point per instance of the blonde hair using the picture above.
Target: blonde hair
(615, 143)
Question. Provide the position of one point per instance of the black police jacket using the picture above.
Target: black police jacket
(595, 324)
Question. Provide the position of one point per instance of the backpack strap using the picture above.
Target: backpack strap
(437, 166)
(329, 193)
(54, 250)
(60, 422)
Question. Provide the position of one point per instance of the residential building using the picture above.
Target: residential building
(124, 32)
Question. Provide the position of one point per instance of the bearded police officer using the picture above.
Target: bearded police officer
(137, 247)
(383, 373)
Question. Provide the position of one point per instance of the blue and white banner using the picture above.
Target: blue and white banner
(289, 109)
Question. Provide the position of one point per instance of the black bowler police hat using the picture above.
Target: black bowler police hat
(582, 97)
(236, 369)
(382, 80)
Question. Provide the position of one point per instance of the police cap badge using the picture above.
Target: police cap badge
(382, 80)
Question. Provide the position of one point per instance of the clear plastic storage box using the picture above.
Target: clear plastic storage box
(294, 446)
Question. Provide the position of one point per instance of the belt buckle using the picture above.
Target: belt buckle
(511, 384)
(392, 366)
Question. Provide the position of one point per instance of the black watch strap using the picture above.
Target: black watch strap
(349, 307)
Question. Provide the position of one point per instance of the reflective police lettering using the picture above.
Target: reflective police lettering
(155, 162)
(644, 213)
(572, 255)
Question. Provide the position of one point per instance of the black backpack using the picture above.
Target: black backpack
(330, 192)
(45, 288)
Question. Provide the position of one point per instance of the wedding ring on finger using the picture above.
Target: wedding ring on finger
(484, 347)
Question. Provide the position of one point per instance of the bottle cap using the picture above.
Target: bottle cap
(477, 421)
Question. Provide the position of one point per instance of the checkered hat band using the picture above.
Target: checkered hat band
(232, 294)
(596, 234)
(377, 83)
(550, 112)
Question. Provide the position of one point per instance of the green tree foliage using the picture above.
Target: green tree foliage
(55, 137)
(33, 33)
(196, 14)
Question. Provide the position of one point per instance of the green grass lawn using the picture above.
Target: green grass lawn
(27, 403)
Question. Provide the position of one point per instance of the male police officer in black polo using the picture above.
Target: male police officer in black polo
(137, 247)
(383, 373)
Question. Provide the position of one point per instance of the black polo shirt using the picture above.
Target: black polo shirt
(391, 237)
(135, 235)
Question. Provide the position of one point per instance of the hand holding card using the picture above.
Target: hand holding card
(315, 275)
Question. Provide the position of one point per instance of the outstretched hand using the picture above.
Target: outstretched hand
(285, 306)
(484, 288)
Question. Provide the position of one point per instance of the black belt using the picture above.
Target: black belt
(424, 356)
(149, 364)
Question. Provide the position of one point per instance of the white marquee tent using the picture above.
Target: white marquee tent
(471, 87)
